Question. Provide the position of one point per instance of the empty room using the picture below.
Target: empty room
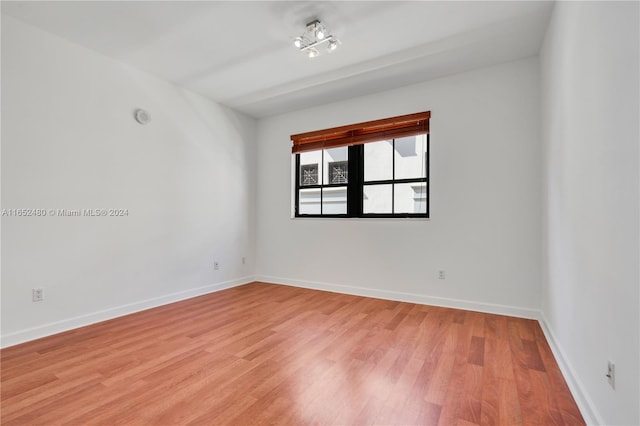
(331, 213)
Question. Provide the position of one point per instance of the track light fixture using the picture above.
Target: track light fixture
(314, 35)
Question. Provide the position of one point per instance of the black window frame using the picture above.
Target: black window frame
(356, 183)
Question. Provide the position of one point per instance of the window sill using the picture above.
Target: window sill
(367, 219)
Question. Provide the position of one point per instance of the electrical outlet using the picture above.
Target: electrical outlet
(611, 374)
(441, 274)
(37, 294)
(216, 265)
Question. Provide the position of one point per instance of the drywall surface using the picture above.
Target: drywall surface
(484, 229)
(70, 142)
(590, 300)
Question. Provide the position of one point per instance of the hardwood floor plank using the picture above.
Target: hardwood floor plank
(26, 383)
(429, 414)
(451, 400)
(566, 404)
(536, 408)
(532, 355)
(470, 403)
(476, 351)
(33, 414)
(509, 412)
(438, 383)
(24, 403)
(398, 407)
(375, 387)
(270, 354)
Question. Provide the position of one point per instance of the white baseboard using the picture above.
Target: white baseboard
(26, 335)
(468, 305)
(586, 406)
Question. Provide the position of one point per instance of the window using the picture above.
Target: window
(309, 173)
(325, 194)
(338, 172)
(373, 169)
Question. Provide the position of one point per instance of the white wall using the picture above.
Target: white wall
(69, 141)
(590, 132)
(484, 228)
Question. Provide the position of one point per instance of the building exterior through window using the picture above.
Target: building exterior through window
(393, 179)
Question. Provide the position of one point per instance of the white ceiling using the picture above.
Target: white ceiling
(241, 54)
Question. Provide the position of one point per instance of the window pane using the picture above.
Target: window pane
(376, 199)
(334, 200)
(338, 172)
(335, 165)
(410, 197)
(309, 201)
(310, 173)
(410, 156)
(378, 160)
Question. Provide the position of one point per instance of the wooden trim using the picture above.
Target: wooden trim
(370, 131)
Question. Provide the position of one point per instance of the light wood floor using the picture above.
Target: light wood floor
(267, 354)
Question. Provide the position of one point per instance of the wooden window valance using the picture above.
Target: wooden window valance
(370, 131)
